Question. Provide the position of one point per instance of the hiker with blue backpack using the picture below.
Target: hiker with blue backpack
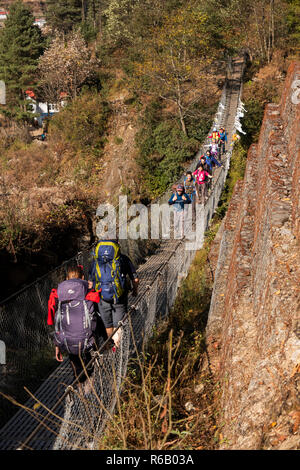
(72, 309)
(202, 162)
(211, 161)
(206, 167)
(207, 162)
(178, 200)
(108, 276)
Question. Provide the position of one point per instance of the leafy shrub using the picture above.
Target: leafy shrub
(251, 122)
(162, 153)
(263, 89)
(164, 148)
(118, 140)
(200, 121)
(82, 122)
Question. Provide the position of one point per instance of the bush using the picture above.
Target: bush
(162, 153)
(263, 89)
(82, 122)
(251, 122)
(164, 148)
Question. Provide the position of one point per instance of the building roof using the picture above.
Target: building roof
(30, 93)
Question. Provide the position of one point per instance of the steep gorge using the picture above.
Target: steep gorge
(253, 330)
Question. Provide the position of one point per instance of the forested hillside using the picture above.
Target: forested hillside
(136, 84)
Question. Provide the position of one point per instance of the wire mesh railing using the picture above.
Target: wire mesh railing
(70, 419)
(22, 324)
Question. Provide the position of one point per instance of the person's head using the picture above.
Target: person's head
(180, 189)
(201, 168)
(208, 153)
(75, 272)
(189, 175)
(222, 129)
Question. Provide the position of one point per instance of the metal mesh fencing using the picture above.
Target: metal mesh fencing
(74, 418)
(85, 414)
(91, 411)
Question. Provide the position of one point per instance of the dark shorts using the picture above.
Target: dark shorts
(111, 313)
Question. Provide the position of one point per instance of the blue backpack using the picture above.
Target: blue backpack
(108, 275)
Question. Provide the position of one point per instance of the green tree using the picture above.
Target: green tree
(163, 148)
(174, 56)
(117, 16)
(293, 22)
(21, 44)
(92, 25)
(63, 15)
(258, 25)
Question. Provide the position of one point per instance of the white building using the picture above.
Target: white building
(40, 22)
(44, 110)
(3, 15)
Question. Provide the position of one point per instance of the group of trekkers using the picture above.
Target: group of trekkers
(197, 184)
(88, 313)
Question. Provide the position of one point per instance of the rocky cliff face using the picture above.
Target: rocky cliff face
(253, 330)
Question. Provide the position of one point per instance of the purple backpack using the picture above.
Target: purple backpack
(74, 318)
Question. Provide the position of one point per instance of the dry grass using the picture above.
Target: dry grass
(44, 186)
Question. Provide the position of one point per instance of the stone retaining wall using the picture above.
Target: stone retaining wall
(253, 329)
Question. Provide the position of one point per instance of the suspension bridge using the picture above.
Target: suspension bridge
(57, 416)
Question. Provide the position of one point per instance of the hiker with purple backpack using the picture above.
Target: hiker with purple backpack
(72, 309)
